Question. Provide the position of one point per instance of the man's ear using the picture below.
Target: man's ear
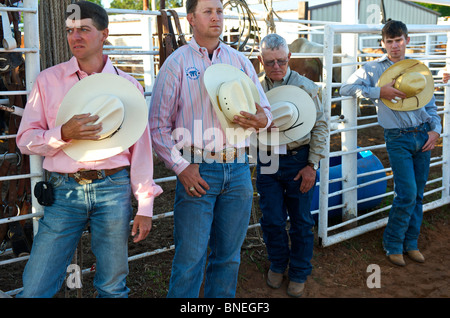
(105, 34)
(190, 17)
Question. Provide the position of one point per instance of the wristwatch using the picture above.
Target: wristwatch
(313, 165)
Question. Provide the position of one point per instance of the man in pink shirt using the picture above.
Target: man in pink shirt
(105, 202)
(213, 198)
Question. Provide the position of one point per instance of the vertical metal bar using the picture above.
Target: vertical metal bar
(349, 110)
(147, 45)
(32, 69)
(325, 162)
(446, 131)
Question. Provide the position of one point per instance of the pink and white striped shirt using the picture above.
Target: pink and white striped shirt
(180, 100)
(38, 135)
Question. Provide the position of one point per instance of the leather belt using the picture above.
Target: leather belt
(87, 176)
(291, 152)
(414, 129)
(226, 155)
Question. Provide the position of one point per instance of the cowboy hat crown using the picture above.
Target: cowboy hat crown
(413, 78)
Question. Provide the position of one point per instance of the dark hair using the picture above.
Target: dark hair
(191, 5)
(393, 29)
(90, 10)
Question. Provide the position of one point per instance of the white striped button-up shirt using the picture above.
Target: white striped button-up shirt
(180, 109)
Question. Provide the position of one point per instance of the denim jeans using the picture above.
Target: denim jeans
(280, 196)
(104, 204)
(410, 167)
(220, 218)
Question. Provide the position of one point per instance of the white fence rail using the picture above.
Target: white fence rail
(345, 126)
(351, 218)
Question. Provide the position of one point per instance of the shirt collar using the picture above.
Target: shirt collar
(283, 81)
(74, 68)
(203, 51)
(288, 74)
(385, 58)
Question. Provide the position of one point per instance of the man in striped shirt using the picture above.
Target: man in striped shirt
(213, 199)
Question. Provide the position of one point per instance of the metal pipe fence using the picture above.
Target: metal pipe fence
(352, 224)
(338, 124)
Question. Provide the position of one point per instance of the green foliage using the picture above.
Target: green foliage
(139, 4)
(127, 4)
(99, 2)
(443, 10)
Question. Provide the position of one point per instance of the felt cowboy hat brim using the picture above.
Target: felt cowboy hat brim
(217, 75)
(121, 94)
(286, 101)
(400, 69)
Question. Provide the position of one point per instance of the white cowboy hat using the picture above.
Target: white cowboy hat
(294, 115)
(121, 108)
(231, 91)
(413, 78)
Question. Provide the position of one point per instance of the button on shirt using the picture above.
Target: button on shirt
(38, 135)
(180, 103)
(363, 83)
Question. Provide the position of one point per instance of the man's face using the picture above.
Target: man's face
(207, 20)
(395, 47)
(84, 39)
(275, 63)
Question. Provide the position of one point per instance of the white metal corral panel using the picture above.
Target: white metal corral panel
(408, 12)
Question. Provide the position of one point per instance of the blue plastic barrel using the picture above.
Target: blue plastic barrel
(367, 162)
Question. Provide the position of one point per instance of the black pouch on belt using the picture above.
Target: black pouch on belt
(43, 191)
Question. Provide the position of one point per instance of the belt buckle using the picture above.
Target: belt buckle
(229, 154)
(77, 177)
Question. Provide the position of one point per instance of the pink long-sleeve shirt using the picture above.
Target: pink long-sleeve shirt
(38, 135)
(180, 102)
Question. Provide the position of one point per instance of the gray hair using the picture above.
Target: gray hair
(274, 42)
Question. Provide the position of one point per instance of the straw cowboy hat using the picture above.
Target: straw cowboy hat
(413, 78)
(231, 91)
(121, 108)
(294, 115)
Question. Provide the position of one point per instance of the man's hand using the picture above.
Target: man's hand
(191, 180)
(80, 127)
(257, 121)
(431, 142)
(308, 175)
(389, 92)
(143, 225)
(445, 77)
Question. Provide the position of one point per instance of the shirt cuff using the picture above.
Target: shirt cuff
(179, 167)
(145, 207)
(269, 118)
(374, 92)
(314, 159)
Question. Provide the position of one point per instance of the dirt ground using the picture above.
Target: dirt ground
(356, 268)
(339, 271)
(349, 269)
(342, 270)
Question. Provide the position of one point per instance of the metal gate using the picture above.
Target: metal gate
(345, 125)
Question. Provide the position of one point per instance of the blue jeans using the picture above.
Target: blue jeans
(279, 196)
(410, 167)
(104, 204)
(220, 217)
